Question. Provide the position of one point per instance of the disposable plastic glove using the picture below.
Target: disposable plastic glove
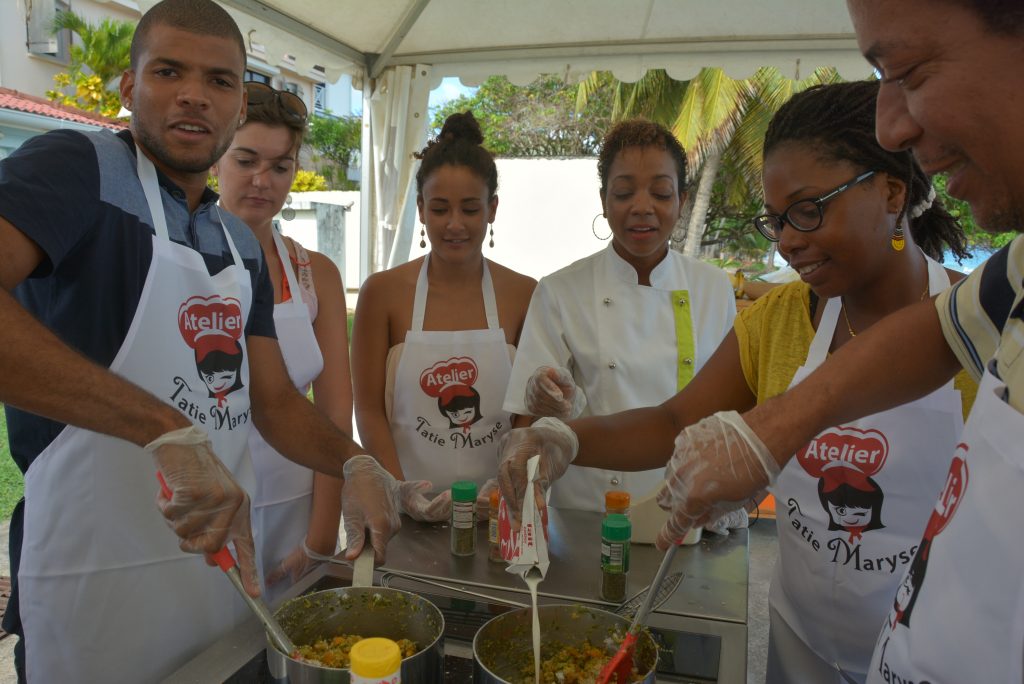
(369, 499)
(293, 567)
(557, 445)
(415, 504)
(483, 499)
(207, 508)
(717, 466)
(733, 520)
(552, 392)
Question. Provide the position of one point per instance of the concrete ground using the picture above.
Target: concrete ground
(763, 550)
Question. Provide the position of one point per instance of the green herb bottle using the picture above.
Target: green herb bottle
(615, 533)
(463, 525)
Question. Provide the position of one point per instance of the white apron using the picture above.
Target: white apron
(851, 507)
(629, 318)
(106, 594)
(958, 615)
(449, 386)
(283, 498)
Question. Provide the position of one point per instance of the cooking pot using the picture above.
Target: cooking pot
(368, 612)
(504, 646)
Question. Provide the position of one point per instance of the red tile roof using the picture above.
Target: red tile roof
(12, 99)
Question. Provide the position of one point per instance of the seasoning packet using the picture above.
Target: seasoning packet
(526, 548)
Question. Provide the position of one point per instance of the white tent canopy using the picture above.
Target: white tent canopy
(397, 50)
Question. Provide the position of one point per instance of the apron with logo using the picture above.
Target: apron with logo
(850, 509)
(106, 594)
(958, 614)
(449, 387)
(283, 497)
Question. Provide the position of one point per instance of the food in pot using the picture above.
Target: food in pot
(578, 664)
(334, 652)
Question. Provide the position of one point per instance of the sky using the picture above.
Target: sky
(449, 89)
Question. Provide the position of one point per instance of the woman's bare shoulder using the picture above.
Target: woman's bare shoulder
(517, 285)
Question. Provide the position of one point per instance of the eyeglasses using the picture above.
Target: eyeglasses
(805, 215)
(290, 104)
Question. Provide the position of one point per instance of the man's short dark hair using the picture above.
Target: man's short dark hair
(1004, 17)
(204, 17)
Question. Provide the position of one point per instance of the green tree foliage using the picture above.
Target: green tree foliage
(98, 58)
(335, 141)
(537, 120)
(977, 237)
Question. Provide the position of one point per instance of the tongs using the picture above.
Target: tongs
(621, 664)
(226, 562)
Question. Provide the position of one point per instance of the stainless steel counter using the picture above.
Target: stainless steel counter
(706, 617)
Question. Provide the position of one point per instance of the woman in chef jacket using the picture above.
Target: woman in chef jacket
(633, 322)
(294, 509)
(433, 339)
(862, 227)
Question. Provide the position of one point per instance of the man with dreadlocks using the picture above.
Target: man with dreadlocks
(862, 227)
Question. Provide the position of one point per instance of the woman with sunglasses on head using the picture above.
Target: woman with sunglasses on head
(433, 339)
(863, 229)
(294, 510)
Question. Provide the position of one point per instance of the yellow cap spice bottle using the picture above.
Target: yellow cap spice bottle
(463, 525)
(616, 501)
(615, 533)
(493, 540)
(375, 661)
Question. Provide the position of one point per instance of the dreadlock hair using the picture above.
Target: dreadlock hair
(837, 122)
(639, 133)
(1003, 17)
(204, 17)
(460, 143)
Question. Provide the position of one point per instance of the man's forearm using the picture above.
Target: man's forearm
(639, 439)
(899, 359)
(42, 375)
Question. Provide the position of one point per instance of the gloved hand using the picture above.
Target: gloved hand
(413, 502)
(557, 445)
(369, 499)
(552, 392)
(294, 566)
(483, 499)
(733, 520)
(717, 466)
(207, 508)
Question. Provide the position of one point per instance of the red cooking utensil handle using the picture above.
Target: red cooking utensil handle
(223, 558)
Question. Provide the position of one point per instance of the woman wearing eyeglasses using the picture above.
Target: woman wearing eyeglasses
(293, 508)
(863, 229)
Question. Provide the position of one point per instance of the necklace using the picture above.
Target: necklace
(849, 328)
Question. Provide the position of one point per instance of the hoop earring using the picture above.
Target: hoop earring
(288, 213)
(423, 233)
(492, 236)
(594, 230)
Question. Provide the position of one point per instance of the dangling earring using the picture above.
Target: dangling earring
(594, 230)
(288, 213)
(492, 235)
(897, 240)
(423, 233)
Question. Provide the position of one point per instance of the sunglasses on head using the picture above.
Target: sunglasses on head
(290, 104)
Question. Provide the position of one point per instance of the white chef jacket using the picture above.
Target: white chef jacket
(619, 339)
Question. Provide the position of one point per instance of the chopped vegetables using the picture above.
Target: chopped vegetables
(334, 652)
(571, 665)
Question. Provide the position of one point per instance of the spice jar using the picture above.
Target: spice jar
(616, 501)
(463, 518)
(375, 661)
(493, 540)
(615, 532)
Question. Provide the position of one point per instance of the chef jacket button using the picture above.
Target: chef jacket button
(611, 364)
(682, 301)
(607, 301)
(688, 362)
(615, 481)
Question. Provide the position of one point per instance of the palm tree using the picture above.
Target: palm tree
(716, 118)
(105, 48)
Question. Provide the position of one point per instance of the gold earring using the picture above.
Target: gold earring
(423, 232)
(898, 240)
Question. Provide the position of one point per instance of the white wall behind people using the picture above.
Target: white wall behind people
(545, 209)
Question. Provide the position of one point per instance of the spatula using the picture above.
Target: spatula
(227, 563)
(621, 664)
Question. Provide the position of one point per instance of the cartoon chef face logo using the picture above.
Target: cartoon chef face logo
(844, 459)
(451, 383)
(212, 327)
(946, 506)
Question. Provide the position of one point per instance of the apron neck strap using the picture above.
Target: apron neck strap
(286, 264)
(151, 189)
(419, 305)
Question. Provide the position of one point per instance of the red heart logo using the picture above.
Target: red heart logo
(865, 450)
